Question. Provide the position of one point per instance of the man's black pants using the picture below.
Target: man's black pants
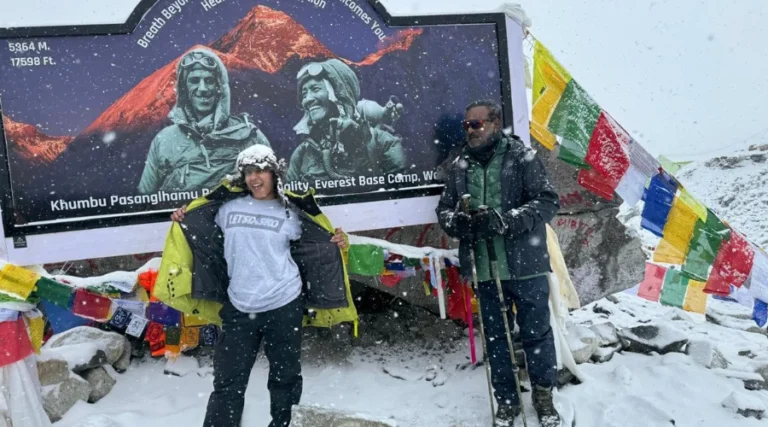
(235, 354)
(531, 297)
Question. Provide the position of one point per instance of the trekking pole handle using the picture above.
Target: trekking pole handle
(465, 203)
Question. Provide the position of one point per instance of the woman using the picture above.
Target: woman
(263, 254)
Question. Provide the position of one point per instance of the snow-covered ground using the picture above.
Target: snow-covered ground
(436, 386)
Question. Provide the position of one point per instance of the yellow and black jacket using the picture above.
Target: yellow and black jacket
(193, 276)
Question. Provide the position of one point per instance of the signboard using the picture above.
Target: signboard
(114, 131)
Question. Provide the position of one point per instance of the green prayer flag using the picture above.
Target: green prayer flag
(172, 335)
(674, 289)
(574, 119)
(573, 154)
(366, 260)
(54, 292)
(705, 243)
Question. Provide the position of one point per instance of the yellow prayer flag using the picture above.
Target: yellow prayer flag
(678, 230)
(17, 282)
(191, 320)
(549, 81)
(695, 298)
(699, 209)
(190, 337)
(36, 329)
(668, 254)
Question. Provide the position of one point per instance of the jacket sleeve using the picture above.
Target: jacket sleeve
(261, 139)
(151, 178)
(448, 204)
(540, 200)
(392, 157)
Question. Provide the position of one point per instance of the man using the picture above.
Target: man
(199, 149)
(337, 141)
(500, 173)
(256, 250)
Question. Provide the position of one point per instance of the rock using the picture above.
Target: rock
(57, 399)
(751, 380)
(439, 380)
(658, 338)
(314, 416)
(605, 354)
(745, 404)
(582, 342)
(101, 382)
(564, 376)
(733, 322)
(404, 374)
(747, 353)
(181, 365)
(706, 354)
(122, 364)
(606, 334)
(112, 343)
(51, 368)
(763, 372)
(79, 357)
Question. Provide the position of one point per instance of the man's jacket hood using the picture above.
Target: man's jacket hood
(344, 91)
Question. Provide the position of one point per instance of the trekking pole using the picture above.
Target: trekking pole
(495, 272)
(465, 207)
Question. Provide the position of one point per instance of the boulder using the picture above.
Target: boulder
(582, 342)
(80, 357)
(605, 354)
(658, 338)
(314, 416)
(606, 334)
(101, 381)
(121, 365)
(112, 343)
(57, 399)
(706, 354)
(751, 380)
(745, 404)
(51, 368)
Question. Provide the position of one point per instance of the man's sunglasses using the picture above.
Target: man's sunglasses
(474, 124)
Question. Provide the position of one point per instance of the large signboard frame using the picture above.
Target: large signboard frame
(54, 239)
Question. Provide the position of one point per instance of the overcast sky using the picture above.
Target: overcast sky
(687, 78)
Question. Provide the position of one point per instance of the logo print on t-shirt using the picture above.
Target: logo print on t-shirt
(239, 219)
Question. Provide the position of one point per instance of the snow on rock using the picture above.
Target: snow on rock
(659, 338)
(315, 416)
(751, 380)
(705, 353)
(400, 373)
(59, 398)
(81, 357)
(51, 368)
(604, 354)
(582, 342)
(112, 343)
(101, 382)
(181, 365)
(745, 404)
(746, 325)
(606, 334)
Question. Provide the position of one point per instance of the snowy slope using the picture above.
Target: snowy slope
(735, 187)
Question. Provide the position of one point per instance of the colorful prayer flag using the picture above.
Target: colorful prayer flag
(173, 339)
(120, 319)
(658, 202)
(132, 306)
(17, 282)
(190, 338)
(54, 292)
(678, 230)
(674, 289)
(574, 120)
(650, 288)
(191, 320)
(695, 298)
(758, 279)
(208, 335)
(136, 326)
(699, 209)
(760, 313)
(595, 183)
(705, 243)
(732, 266)
(91, 306)
(642, 160)
(163, 314)
(36, 328)
(549, 82)
(607, 152)
(14, 342)
(632, 186)
(365, 260)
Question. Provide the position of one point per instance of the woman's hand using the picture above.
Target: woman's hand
(340, 239)
(178, 214)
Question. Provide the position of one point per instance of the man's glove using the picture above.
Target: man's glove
(515, 220)
(487, 224)
(462, 224)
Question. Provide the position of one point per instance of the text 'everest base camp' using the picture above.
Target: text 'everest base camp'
(320, 213)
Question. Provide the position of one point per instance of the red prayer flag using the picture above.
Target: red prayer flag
(607, 154)
(732, 265)
(650, 288)
(91, 306)
(596, 183)
(14, 342)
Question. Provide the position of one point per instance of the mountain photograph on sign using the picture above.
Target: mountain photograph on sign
(262, 52)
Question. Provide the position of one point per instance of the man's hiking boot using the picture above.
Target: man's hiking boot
(545, 407)
(506, 414)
